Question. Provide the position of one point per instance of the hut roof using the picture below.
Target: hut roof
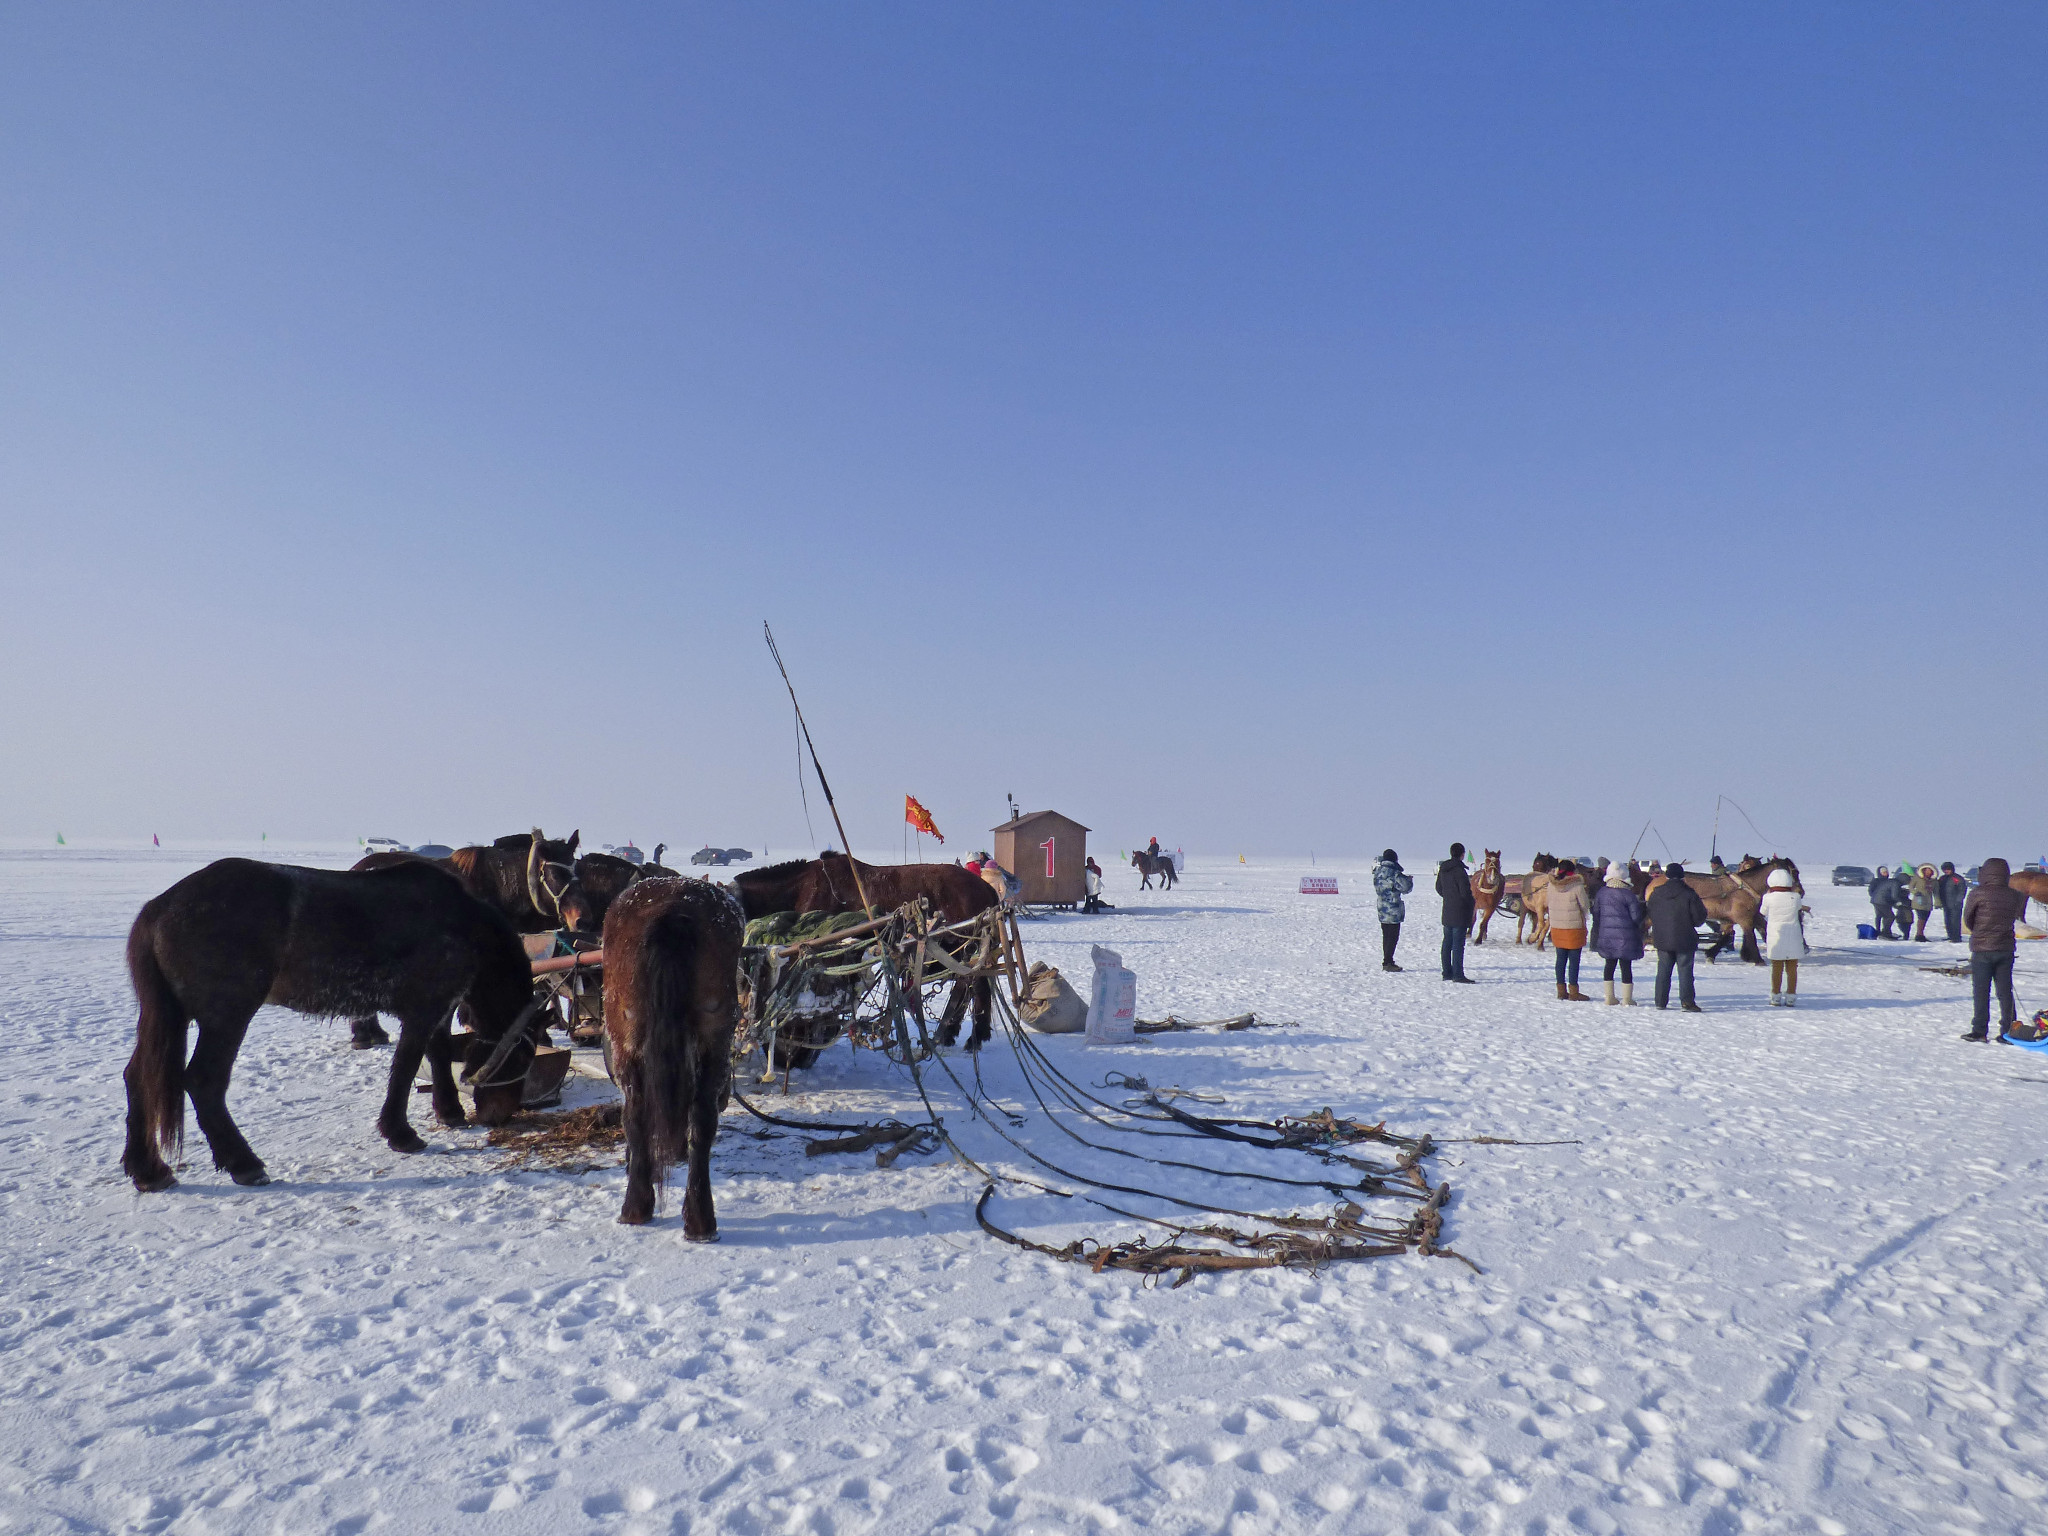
(1030, 816)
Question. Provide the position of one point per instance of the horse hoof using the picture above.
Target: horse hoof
(452, 1117)
(701, 1237)
(635, 1218)
(407, 1141)
(251, 1176)
(151, 1183)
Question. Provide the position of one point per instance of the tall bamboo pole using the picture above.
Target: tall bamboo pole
(852, 864)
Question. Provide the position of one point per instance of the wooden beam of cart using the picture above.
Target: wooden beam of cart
(591, 958)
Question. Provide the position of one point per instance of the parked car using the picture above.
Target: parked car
(1854, 874)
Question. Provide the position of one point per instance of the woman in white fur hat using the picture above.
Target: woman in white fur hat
(1786, 945)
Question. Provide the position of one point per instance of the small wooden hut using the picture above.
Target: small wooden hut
(1049, 853)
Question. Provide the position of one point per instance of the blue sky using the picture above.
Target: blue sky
(1269, 428)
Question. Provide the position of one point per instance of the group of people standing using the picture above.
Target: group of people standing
(1611, 921)
(1908, 895)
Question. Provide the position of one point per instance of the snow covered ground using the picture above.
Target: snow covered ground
(1789, 1279)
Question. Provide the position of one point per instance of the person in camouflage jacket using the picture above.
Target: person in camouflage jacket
(1390, 883)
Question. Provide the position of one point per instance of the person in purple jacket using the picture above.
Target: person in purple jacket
(1618, 914)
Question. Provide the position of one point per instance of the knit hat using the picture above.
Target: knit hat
(1674, 871)
(1390, 856)
(1781, 880)
(1617, 875)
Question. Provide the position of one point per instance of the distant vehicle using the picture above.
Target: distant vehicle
(385, 845)
(1853, 874)
(629, 853)
(434, 851)
(720, 856)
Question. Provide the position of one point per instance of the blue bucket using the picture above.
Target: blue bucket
(1865, 931)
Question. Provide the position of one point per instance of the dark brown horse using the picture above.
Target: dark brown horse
(671, 1001)
(1149, 864)
(533, 895)
(601, 879)
(826, 885)
(222, 942)
(1488, 884)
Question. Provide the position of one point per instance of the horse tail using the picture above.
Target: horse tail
(156, 1072)
(670, 1052)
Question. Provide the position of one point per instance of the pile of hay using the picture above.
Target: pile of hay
(568, 1141)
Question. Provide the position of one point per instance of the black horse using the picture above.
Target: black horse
(218, 945)
(534, 894)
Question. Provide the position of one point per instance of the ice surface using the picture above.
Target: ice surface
(1791, 1280)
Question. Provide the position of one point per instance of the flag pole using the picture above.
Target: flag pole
(852, 864)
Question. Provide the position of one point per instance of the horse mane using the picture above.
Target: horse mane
(464, 861)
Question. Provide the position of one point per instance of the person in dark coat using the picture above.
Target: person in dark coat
(1618, 932)
(1454, 884)
(1989, 914)
(1952, 888)
(1884, 892)
(1676, 913)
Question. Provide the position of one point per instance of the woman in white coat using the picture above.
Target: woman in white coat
(1786, 945)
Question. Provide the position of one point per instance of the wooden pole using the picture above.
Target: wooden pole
(852, 864)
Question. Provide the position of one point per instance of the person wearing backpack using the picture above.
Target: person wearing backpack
(1618, 914)
(1786, 947)
(1989, 915)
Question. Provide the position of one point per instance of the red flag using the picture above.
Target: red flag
(920, 818)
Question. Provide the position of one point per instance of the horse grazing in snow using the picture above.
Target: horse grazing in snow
(671, 1002)
(534, 893)
(406, 940)
(826, 885)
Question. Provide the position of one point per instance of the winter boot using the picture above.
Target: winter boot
(1576, 996)
(1610, 994)
(1562, 995)
(1628, 994)
(1791, 999)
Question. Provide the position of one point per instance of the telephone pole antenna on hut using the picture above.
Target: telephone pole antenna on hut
(852, 864)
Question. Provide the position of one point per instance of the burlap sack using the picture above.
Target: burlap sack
(1051, 1006)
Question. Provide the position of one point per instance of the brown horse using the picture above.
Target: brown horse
(671, 1001)
(1487, 885)
(2032, 883)
(222, 942)
(1149, 864)
(1732, 898)
(1535, 906)
(826, 885)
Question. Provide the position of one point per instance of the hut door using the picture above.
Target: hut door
(1047, 846)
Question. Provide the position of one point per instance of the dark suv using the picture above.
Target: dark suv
(1853, 874)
